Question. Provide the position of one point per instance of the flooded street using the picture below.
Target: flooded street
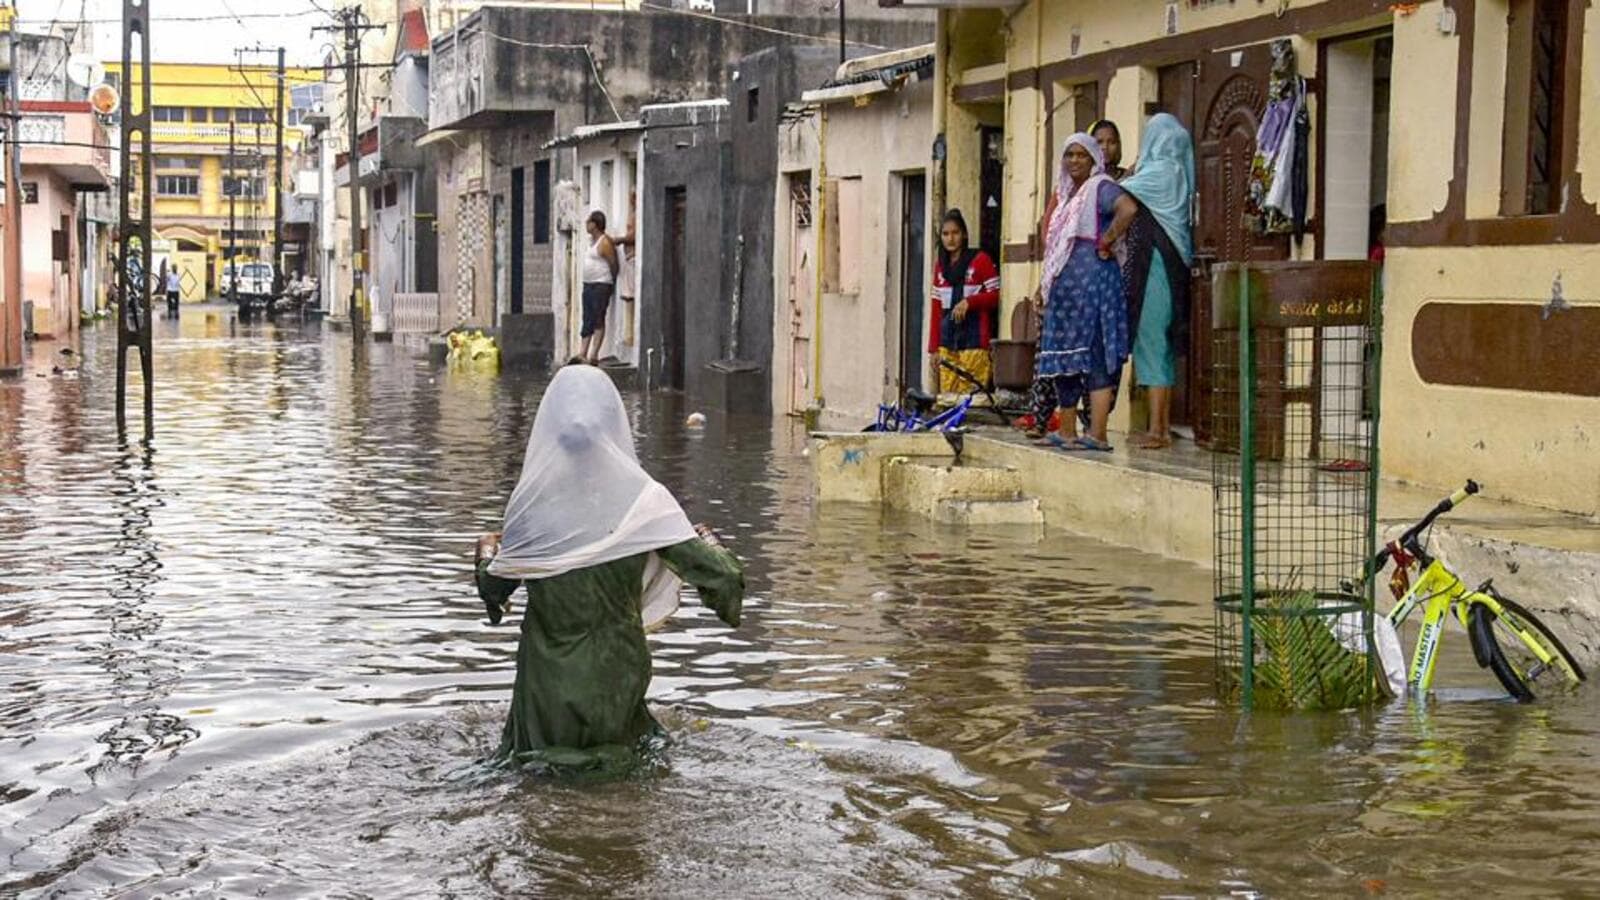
(251, 662)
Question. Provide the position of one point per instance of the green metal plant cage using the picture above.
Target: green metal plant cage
(1294, 429)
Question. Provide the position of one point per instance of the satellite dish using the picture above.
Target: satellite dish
(84, 70)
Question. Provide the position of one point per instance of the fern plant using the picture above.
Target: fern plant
(1299, 664)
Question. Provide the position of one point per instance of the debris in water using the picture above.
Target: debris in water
(696, 420)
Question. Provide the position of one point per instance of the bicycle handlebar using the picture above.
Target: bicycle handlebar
(1410, 536)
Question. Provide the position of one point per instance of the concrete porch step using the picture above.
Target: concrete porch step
(919, 485)
(1021, 511)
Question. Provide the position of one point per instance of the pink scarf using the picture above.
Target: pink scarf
(1077, 214)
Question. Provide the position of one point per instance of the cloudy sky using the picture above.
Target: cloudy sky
(214, 27)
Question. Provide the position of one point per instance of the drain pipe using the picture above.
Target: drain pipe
(738, 290)
(821, 218)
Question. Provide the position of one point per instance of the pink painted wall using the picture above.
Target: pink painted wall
(51, 286)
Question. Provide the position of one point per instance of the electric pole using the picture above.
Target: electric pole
(233, 225)
(841, 32)
(11, 316)
(277, 188)
(133, 231)
(351, 24)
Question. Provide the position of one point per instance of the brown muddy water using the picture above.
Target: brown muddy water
(250, 663)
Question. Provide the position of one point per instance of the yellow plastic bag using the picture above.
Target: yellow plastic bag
(473, 350)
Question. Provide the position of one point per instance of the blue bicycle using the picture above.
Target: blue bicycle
(916, 414)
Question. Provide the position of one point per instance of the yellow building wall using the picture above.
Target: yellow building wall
(189, 86)
(1537, 448)
(1422, 117)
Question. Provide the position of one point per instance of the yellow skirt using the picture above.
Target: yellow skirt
(976, 363)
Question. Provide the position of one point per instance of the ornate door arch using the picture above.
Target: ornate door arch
(1231, 97)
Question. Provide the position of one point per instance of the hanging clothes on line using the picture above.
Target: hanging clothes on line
(1280, 172)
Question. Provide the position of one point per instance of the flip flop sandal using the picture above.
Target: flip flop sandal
(1084, 442)
(1344, 465)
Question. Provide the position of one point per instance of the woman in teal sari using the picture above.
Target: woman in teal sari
(1160, 248)
(602, 551)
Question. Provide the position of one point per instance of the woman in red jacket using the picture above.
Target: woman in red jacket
(966, 293)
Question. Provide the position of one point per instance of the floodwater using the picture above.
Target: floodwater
(251, 663)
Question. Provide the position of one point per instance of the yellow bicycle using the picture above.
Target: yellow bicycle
(1506, 638)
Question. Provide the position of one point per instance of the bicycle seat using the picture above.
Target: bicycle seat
(920, 401)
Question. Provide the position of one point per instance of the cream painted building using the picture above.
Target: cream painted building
(1474, 123)
(853, 240)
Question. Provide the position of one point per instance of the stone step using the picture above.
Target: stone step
(1021, 511)
(920, 485)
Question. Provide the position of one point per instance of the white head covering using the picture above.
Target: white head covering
(1076, 216)
(583, 498)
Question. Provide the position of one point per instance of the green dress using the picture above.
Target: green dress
(583, 666)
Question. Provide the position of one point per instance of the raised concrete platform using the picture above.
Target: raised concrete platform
(1161, 502)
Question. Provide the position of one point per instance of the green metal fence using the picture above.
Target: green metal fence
(1294, 428)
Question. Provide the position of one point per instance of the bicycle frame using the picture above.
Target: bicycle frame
(895, 418)
(1437, 591)
(1440, 593)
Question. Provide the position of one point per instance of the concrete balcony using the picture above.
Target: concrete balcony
(66, 137)
(216, 133)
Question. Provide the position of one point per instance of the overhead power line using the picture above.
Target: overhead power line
(224, 17)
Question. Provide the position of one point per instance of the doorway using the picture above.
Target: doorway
(518, 209)
(802, 284)
(1176, 85)
(1352, 193)
(913, 271)
(499, 261)
(991, 189)
(675, 290)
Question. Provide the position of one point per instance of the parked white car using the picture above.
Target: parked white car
(254, 282)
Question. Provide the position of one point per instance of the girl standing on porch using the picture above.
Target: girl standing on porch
(1160, 247)
(1084, 342)
(966, 293)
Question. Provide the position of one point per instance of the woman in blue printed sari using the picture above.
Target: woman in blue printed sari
(1084, 342)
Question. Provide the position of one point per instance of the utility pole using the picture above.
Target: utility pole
(11, 316)
(841, 32)
(133, 232)
(233, 224)
(351, 24)
(277, 188)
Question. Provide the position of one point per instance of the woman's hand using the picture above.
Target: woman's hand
(1104, 247)
(488, 547)
(1037, 300)
(959, 312)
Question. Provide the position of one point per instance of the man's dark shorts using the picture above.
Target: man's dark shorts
(596, 299)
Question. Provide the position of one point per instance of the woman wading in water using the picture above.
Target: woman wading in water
(601, 549)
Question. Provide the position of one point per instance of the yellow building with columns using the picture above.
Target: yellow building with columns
(204, 201)
(1474, 125)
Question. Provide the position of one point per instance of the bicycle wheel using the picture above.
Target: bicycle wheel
(1501, 644)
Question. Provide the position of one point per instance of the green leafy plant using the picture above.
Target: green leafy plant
(1299, 664)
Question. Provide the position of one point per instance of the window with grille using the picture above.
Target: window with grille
(186, 163)
(541, 201)
(178, 185)
(1533, 164)
(800, 198)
